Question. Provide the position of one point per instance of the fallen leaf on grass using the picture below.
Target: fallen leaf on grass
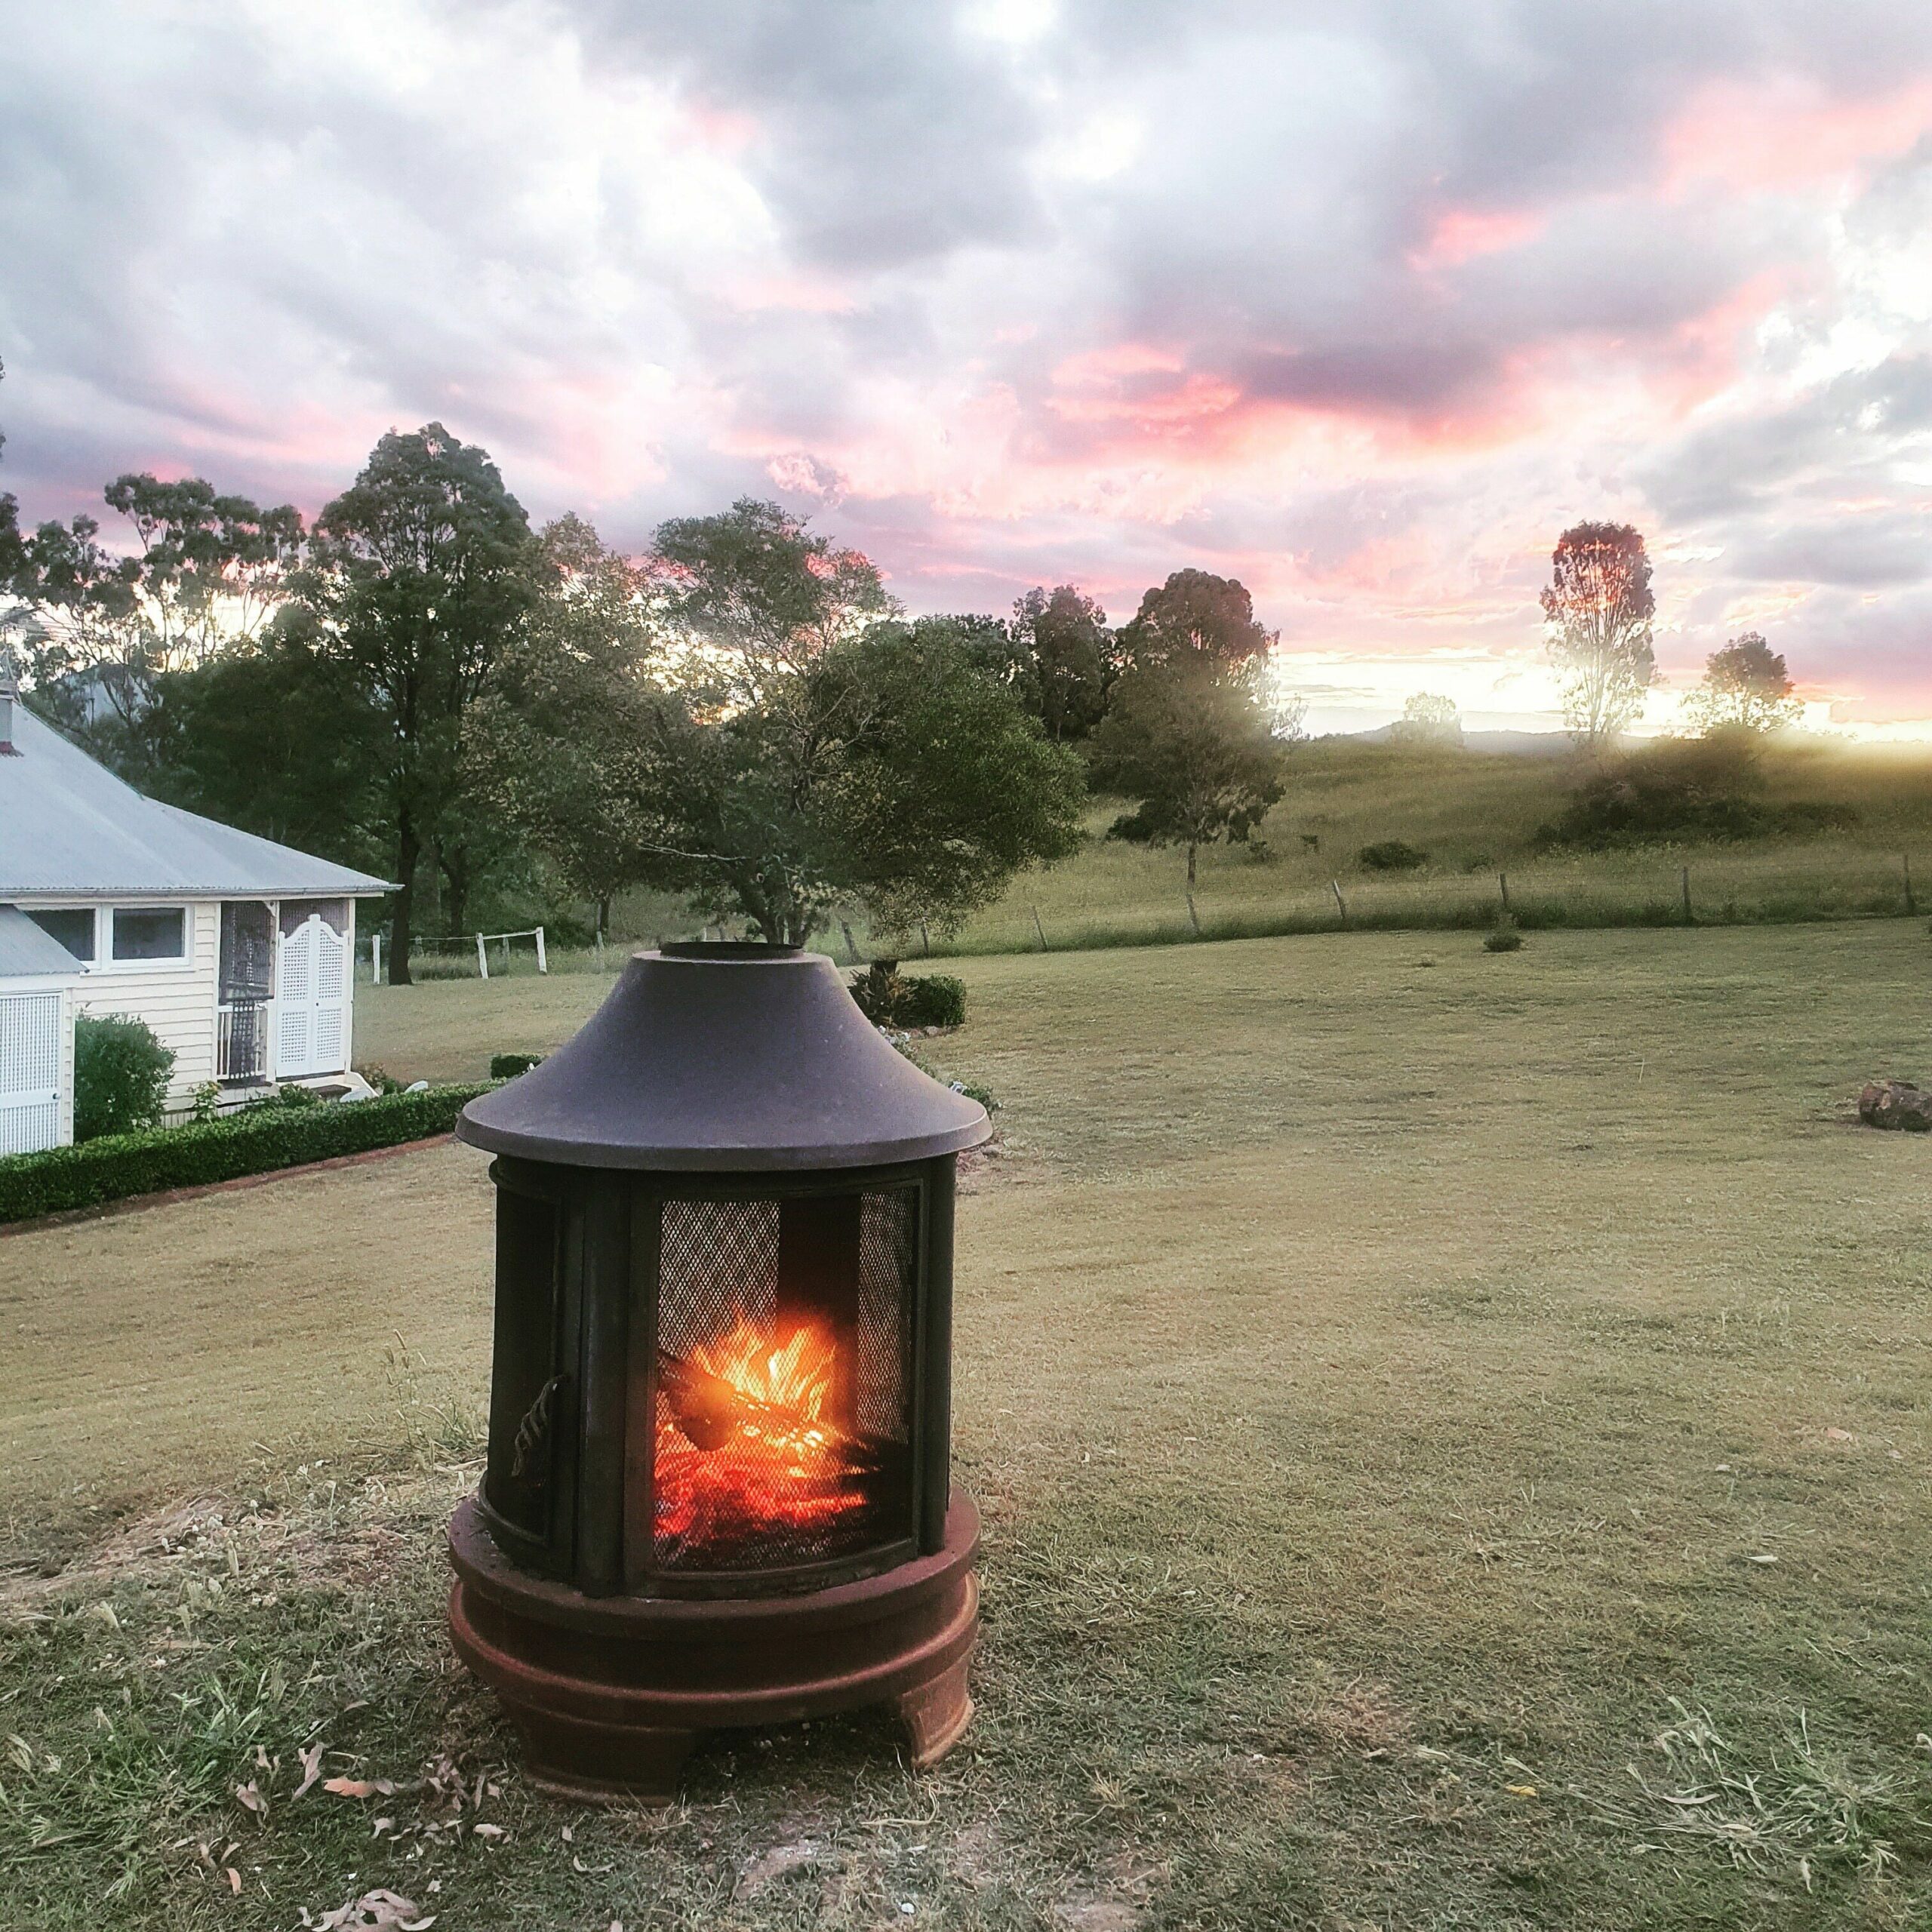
(250, 1795)
(359, 1787)
(235, 1881)
(1838, 1435)
(488, 1831)
(379, 1911)
(312, 1767)
(1520, 1790)
(1766, 1558)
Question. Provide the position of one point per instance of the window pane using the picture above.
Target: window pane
(73, 926)
(158, 932)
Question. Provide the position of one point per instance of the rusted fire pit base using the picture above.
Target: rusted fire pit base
(610, 1693)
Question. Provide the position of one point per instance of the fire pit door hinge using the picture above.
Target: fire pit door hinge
(533, 1433)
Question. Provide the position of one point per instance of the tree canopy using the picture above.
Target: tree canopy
(743, 720)
(1427, 720)
(99, 627)
(1196, 617)
(1746, 685)
(421, 573)
(1200, 753)
(1066, 659)
(1598, 609)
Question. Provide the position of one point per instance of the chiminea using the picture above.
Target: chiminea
(717, 1492)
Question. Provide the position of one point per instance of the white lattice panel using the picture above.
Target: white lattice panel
(297, 954)
(327, 1045)
(330, 954)
(30, 1071)
(27, 1130)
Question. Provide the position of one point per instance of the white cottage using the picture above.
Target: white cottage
(237, 951)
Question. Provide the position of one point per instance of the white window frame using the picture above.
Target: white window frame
(175, 962)
(93, 965)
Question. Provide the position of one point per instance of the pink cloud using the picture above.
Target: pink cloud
(1459, 234)
(1785, 136)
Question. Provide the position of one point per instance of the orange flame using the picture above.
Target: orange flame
(744, 1443)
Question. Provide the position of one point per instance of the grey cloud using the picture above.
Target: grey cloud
(1851, 551)
(884, 134)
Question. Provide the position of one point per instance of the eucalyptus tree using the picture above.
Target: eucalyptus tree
(1746, 686)
(422, 573)
(1598, 609)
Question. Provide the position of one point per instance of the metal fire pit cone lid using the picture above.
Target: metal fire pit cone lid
(725, 1057)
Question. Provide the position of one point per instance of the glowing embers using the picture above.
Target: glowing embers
(751, 1464)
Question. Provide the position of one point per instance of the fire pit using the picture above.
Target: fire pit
(718, 1490)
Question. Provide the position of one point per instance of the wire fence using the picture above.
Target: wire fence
(1647, 890)
(458, 955)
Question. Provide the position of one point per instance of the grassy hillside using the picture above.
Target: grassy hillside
(1476, 814)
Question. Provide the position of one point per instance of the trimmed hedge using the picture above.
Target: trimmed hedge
(507, 1067)
(256, 1141)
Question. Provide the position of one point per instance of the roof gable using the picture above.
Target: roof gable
(28, 953)
(69, 826)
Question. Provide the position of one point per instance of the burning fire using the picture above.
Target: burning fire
(744, 1443)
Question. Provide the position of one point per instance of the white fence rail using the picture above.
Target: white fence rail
(483, 941)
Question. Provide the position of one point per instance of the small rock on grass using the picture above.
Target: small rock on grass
(1896, 1103)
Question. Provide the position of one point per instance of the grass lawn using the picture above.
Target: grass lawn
(1432, 1411)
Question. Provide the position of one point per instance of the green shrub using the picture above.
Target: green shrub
(507, 1067)
(255, 1140)
(120, 1073)
(971, 1088)
(1676, 791)
(888, 999)
(1506, 939)
(933, 999)
(1392, 855)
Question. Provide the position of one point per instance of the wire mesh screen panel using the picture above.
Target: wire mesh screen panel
(783, 1407)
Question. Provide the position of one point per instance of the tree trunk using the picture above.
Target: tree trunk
(604, 916)
(456, 870)
(1191, 850)
(408, 852)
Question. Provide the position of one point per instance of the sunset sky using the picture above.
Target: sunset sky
(1359, 302)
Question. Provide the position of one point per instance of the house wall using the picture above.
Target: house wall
(178, 1002)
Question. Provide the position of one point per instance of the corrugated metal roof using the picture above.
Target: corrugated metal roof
(68, 825)
(26, 952)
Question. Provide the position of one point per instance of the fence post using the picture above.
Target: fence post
(1690, 918)
(1039, 932)
(1911, 904)
(482, 959)
(1341, 904)
(1503, 880)
(375, 959)
(543, 961)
